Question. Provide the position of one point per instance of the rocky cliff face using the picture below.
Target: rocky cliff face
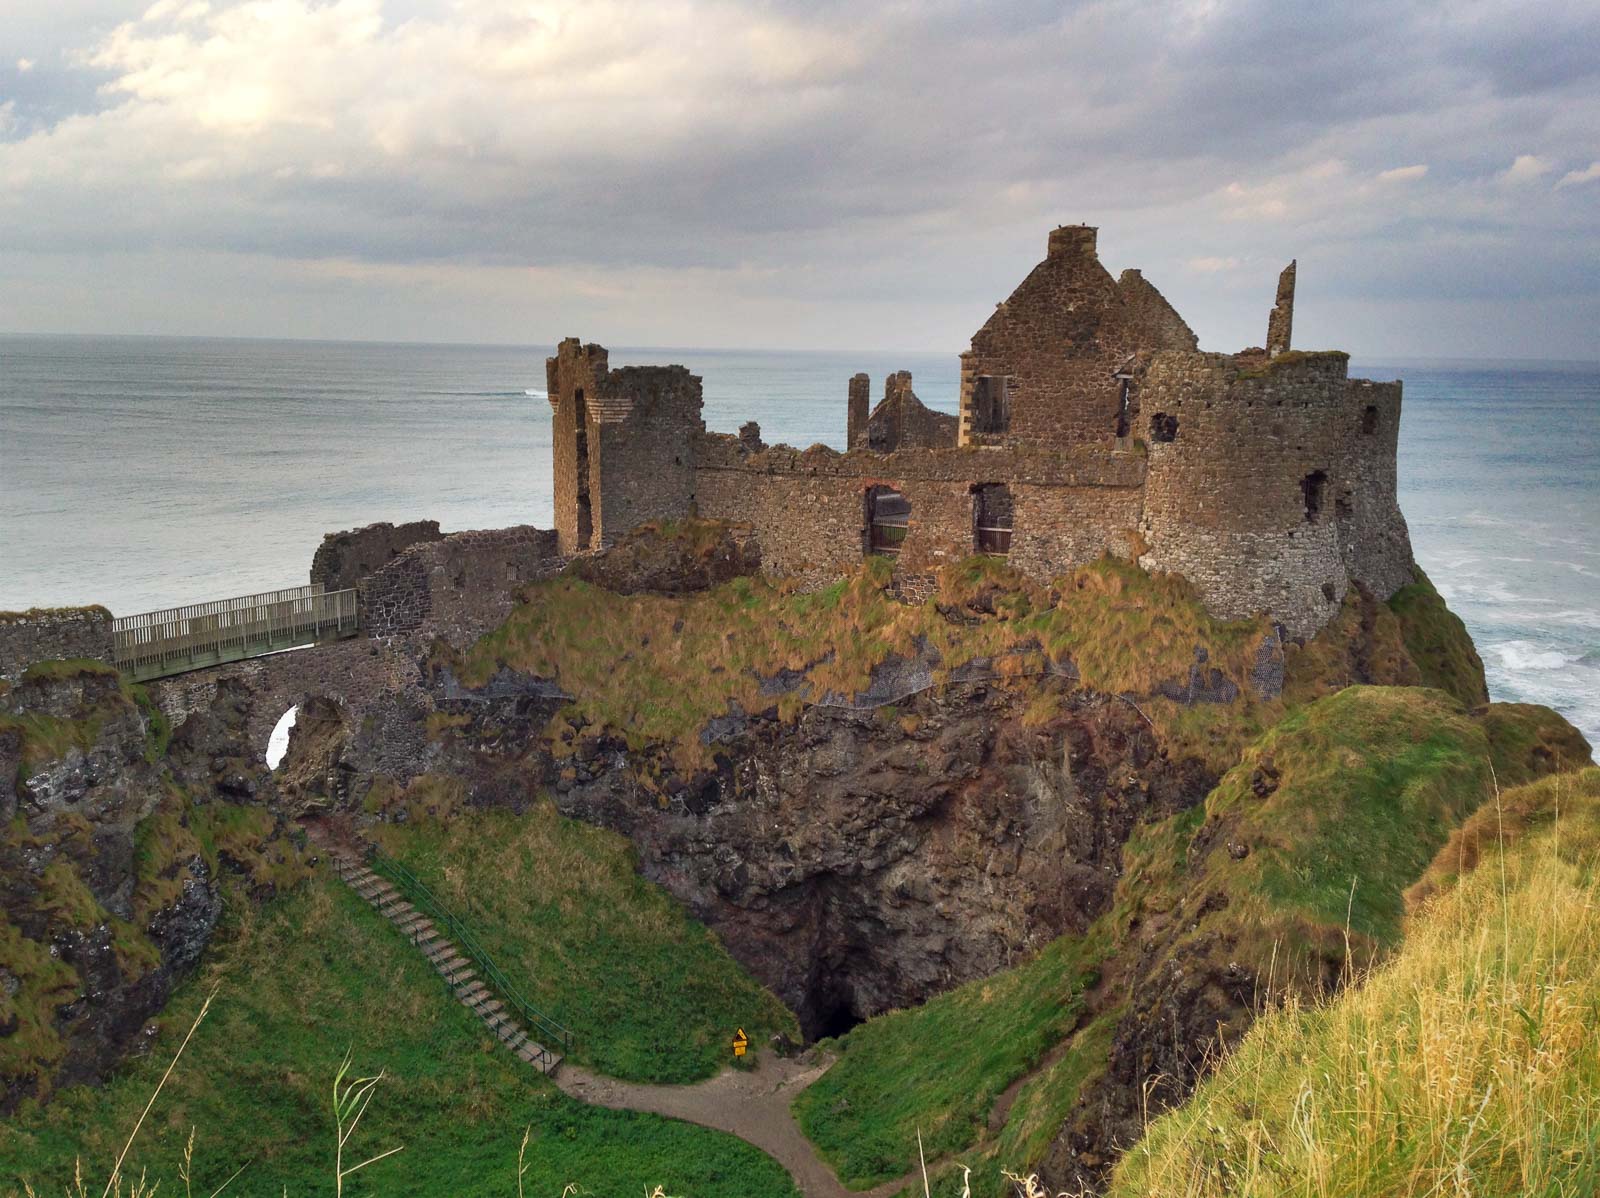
(857, 861)
(108, 877)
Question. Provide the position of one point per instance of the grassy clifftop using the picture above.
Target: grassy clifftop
(656, 669)
(1466, 1065)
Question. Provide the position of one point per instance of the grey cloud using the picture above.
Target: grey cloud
(958, 135)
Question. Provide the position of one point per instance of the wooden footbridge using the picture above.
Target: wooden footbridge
(154, 644)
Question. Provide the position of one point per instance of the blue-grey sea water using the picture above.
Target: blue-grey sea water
(148, 472)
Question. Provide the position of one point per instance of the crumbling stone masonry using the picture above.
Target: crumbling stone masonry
(344, 558)
(1091, 423)
(457, 587)
(1280, 321)
(52, 633)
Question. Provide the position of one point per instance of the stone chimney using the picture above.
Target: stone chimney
(1280, 322)
(856, 419)
(1072, 241)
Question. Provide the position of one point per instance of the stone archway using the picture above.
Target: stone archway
(310, 773)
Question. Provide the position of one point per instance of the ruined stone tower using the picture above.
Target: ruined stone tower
(622, 444)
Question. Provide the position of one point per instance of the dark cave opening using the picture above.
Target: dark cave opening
(834, 1019)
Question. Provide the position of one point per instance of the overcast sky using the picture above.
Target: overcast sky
(808, 174)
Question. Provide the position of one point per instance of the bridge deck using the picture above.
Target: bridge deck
(154, 644)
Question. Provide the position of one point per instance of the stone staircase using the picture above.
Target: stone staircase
(447, 958)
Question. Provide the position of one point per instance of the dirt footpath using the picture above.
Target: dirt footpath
(752, 1105)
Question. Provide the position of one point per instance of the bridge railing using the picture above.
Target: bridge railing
(153, 644)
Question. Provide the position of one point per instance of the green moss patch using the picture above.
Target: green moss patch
(1438, 642)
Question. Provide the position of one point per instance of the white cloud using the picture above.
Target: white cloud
(1525, 169)
(818, 147)
(1587, 175)
(24, 65)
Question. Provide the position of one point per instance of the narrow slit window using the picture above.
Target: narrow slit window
(1313, 489)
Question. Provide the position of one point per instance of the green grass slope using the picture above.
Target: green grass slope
(939, 1067)
(649, 994)
(1303, 852)
(1468, 1064)
(298, 984)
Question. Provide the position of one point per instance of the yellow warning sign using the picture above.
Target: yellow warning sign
(740, 1042)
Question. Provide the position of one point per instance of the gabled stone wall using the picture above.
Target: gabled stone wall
(1060, 339)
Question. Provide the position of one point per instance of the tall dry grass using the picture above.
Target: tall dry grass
(1469, 1065)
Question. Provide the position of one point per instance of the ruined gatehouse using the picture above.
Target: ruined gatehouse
(1090, 423)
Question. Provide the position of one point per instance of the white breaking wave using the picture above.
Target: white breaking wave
(1525, 655)
(535, 393)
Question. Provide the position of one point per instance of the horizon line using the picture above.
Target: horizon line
(1381, 359)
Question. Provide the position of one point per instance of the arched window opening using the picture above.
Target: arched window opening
(888, 520)
(992, 518)
(1313, 488)
(1369, 419)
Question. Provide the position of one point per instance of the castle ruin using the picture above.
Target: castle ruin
(1090, 422)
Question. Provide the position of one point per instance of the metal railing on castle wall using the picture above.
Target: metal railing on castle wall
(549, 1032)
(153, 644)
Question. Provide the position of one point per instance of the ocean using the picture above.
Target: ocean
(148, 472)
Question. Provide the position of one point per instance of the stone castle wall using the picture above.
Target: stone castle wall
(1267, 484)
(809, 507)
(344, 558)
(51, 634)
(457, 587)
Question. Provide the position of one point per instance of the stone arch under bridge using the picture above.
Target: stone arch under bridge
(362, 683)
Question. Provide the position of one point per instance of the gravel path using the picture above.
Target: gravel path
(753, 1105)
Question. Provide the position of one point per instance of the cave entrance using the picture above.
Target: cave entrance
(834, 1020)
(305, 752)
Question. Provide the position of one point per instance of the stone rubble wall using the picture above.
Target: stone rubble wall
(902, 421)
(344, 558)
(51, 634)
(458, 587)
